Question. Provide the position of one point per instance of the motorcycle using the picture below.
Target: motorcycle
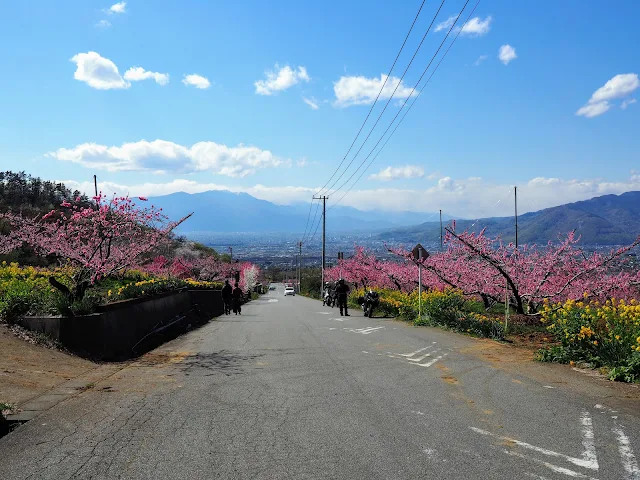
(370, 301)
(328, 299)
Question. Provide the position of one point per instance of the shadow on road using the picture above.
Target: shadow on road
(208, 364)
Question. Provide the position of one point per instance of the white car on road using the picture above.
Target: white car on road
(289, 291)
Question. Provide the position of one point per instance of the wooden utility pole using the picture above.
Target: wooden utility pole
(299, 265)
(95, 184)
(324, 236)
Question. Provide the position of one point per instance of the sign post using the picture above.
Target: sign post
(419, 254)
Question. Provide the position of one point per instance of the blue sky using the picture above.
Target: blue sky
(201, 111)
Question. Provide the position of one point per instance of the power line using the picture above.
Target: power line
(308, 217)
(391, 97)
(377, 97)
(304, 238)
(404, 104)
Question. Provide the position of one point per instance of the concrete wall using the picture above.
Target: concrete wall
(111, 333)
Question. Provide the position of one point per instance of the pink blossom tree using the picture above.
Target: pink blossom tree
(98, 240)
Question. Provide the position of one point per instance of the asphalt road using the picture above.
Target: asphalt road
(290, 390)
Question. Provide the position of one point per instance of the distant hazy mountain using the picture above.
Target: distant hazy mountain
(224, 211)
(606, 220)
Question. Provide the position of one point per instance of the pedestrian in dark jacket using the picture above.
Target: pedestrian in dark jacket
(237, 299)
(226, 297)
(342, 291)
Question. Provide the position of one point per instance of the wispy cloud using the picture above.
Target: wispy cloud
(507, 54)
(627, 102)
(393, 173)
(480, 59)
(620, 86)
(103, 24)
(198, 81)
(475, 27)
(312, 102)
(280, 79)
(363, 91)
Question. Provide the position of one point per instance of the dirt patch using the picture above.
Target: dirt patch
(28, 370)
(450, 379)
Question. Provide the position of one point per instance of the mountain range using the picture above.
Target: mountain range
(225, 211)
(605, 220)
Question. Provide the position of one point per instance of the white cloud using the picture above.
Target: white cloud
(280, 79)
(480, 59)
(467, 198)
(446, 25)
(312, 102)
(98, 72)
(117, 8)
(619, 86)
(363, 91)
(591, 110)
(392, 173)
(197, 81)
(103, 24)
(627, 102)
(475, 27)
(160, 156)
(136, 74)
(507, 54)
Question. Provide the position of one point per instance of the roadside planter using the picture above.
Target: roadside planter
(127, 328)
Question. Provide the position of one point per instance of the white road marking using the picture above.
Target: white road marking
(364, 331)
(548, 386)
(581, 462)
(364, 351)
(272, 300)
(417, 412)
(551, 466)
(431, 362)
(598, 406)
(324, 313)
(337, 319)
(333, 328)
(588, 440)
(419, 359)
(416, 352)
(629, 461)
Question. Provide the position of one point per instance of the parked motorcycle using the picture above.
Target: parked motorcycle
(329, 299)
(370, 301)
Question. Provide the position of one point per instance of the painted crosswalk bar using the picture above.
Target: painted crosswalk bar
(364, 331)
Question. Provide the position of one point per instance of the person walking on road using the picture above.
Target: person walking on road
(237, 299)
(226, 297)
(342, 290)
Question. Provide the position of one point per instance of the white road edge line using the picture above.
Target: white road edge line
(551, 466)
(626, 454)
(588, 440)
(581, 462)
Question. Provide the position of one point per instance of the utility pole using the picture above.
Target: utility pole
(231, 254)
(299, 265)
(515, 197)
(440, 229)
(95, 184)
(324, 236)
